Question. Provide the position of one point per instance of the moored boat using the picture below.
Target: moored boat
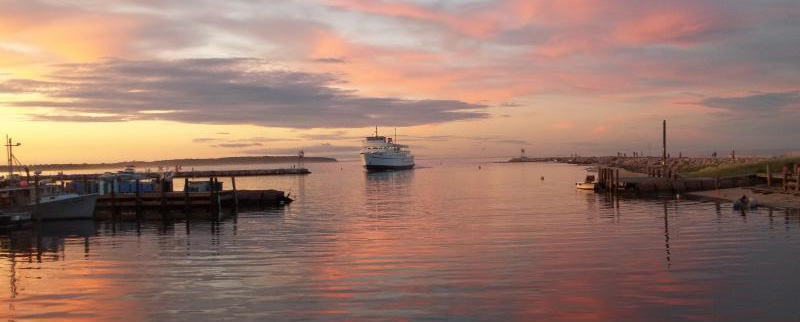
(589, 183)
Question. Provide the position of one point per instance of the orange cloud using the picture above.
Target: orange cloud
(75, 37)
(562, 125)
(600, 129)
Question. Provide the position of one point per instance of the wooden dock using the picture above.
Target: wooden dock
(181, 204)
(660, 182)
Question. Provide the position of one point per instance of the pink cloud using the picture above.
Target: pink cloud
(467, 25)
(676, 26)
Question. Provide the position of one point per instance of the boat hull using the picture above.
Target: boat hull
(585, 185)
(79, 207)
(387, 167)
(387, 162)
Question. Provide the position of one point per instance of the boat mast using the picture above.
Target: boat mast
(10, 152)
(376, 131)
(395, 136)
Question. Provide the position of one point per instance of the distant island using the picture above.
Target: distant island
(175, 162)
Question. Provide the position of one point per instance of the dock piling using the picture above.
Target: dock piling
(235, 196)
(114, 209)
(785, 177)
(187, 202)
(797, 177)
(162, 192)
(138, 202)
(769, 176)
(36, 191)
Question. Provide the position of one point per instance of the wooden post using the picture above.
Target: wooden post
(113, 199)
(86, 189)
(138, 202)
(716, 182)
(785, 177)
(37, 192)
(611, 181)
(769, 176)
(235, 196)
(211, 197)
(162, 195)
(601, 177)
(616, 180)
(797, 177)
(187, 202)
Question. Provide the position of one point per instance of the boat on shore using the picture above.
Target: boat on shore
(380, 153)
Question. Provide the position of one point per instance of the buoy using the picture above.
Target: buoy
(542, 177)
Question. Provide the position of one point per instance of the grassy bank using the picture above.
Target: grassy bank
(740, 169)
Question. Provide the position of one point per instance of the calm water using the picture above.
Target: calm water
(444, 242)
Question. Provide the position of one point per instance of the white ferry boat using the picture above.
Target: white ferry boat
(380, 153)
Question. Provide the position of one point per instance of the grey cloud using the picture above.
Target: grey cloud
(325, 148)
(204, 140)
(78, 118)
(330, 60)
(235, 145)
(227, 91)
(760, 102)
(337, 135)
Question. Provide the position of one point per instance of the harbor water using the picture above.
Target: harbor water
(451, 240)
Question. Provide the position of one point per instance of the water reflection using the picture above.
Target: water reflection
(446, 243)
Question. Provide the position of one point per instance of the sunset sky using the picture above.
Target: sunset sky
(113, 80)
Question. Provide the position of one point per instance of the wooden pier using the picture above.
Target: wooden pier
(662, 181)
(182, 204)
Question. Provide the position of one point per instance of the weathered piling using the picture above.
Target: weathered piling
(163, 191)
(114, 209)
(37, 191)
(797, 177)
(187, 202)
(138, 202)
(769, 176)
(235, 196)
(785, 177)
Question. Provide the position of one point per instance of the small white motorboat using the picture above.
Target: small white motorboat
(589, 183)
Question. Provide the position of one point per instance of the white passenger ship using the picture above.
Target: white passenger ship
(380, 153)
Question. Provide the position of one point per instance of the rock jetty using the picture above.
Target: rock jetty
(642, 164)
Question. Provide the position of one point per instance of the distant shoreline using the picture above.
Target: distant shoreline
(171, 163)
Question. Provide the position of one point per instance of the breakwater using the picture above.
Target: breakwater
(186, 174)
(645, 164)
